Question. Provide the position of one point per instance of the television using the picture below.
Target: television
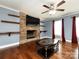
(32, 20)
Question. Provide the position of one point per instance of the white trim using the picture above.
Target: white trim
(9, 8)
(68, 40)
(45, 37)
(9, 45)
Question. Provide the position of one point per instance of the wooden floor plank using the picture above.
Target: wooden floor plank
(28, 51)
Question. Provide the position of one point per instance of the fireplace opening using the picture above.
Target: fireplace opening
(31, 34)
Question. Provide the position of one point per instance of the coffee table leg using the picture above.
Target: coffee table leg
(46, 53)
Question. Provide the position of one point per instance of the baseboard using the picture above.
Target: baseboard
(9, 45)
(45, 37)
(68, 40)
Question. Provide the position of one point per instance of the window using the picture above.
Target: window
(77, 27)
(58, 25)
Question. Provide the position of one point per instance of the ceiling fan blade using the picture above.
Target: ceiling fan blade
(60, 9)
(60, 3)
(46, 6)
(45, 12)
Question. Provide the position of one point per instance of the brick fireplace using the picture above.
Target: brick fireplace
(29, 30)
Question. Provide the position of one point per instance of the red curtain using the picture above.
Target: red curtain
(74, 37)
(53, 32)
(63, 36)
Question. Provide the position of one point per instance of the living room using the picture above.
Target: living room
(24, 23)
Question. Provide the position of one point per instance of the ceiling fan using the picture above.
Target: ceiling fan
(53, 7)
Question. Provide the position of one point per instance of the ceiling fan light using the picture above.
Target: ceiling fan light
(51, 12)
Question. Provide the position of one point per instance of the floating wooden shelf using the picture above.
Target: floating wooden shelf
(42, 22)
(43, 31)
(10, 22)
(42, 26)
(9, 33)
(14, 15)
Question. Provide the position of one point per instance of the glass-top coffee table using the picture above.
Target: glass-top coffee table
(45, 43)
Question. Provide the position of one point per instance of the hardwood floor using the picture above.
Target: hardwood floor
(28, 51)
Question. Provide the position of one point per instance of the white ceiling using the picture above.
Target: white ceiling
(35, 8)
